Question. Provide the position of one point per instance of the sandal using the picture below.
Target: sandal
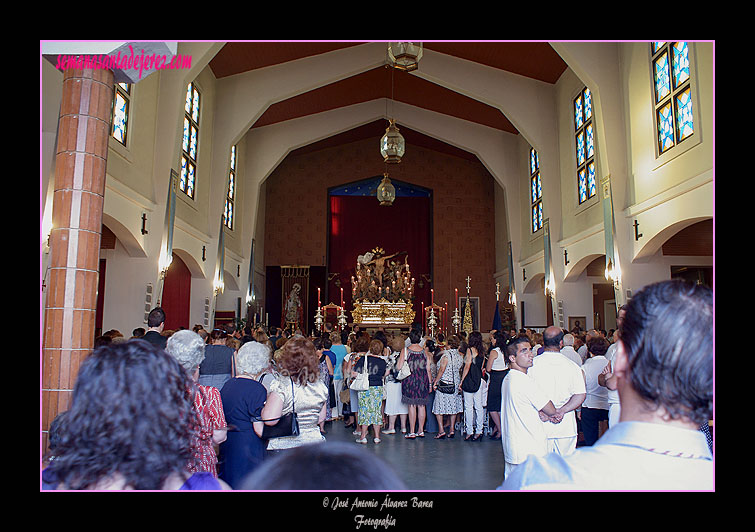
(440, 436)
(468, 437)
(477, 437)
(421, 434)
(389, 431)
(376, 440)
(410, 436)
(361, 440)
(451, 434)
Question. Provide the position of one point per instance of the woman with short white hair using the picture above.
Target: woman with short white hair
(187, 347)
(243, 398)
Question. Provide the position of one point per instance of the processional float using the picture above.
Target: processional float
(382, 290)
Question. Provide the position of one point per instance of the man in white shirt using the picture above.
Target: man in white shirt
(568, 350)
(604, 379)
(582, 352)
(664, 373)
(522, 400)
(563, 382)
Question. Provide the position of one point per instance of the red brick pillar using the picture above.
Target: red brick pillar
(80, 163)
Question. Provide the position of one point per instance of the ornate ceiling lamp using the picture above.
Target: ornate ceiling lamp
(392, 145)
(386, 192)
(405, 55)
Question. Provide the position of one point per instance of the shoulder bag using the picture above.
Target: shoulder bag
(471, 382)
(444, 387)
(288, 425)
(362, 381)
(405, 370)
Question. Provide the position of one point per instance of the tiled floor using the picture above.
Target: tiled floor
(430, 464)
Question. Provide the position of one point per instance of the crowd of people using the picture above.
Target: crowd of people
(233, 407)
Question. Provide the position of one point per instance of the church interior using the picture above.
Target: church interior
(542, 181)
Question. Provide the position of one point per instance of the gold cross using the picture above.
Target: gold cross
(497, 290)
(468, 279)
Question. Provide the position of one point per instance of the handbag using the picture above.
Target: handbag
(288, 424)
(445, 387)
(362, 381)
(471, 382)
(404, 372)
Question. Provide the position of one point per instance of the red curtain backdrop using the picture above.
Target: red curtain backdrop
(176, 295)
(359, 223)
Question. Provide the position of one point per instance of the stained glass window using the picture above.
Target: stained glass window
(536, 190)
(119, 118)
(230, 198)
(190, 144)
(673, 94)
(584, 132)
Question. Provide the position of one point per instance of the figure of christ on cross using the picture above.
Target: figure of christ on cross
(379, 263)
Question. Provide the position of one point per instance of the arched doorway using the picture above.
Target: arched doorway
(176, 295)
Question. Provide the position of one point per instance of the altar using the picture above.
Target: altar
(382, 290)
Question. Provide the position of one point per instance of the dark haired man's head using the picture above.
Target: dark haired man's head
(666, 350)
(156, 318)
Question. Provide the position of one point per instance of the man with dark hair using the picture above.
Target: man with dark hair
(664, 375)
(156, 324)
(564, 383)
(522, 401)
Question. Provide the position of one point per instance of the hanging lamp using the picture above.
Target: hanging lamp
(405, 55)
(386, 192)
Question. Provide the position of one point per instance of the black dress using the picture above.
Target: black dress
(243, 450)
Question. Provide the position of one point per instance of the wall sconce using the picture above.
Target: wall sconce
(613, 274)
(164, 263)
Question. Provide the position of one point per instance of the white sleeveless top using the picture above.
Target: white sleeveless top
(499, 364)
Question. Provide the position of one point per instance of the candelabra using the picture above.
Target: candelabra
(342, 319)
(456, 320)
(431, 322)
(318, 320)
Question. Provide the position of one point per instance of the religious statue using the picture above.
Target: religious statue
(383, 289)
(294, 312)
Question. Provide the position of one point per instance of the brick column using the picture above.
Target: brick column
(80, 163)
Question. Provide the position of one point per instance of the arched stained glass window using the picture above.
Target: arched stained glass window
(584, 132)
(231, 197)
(536, 191)
(119, 118)
(190, 144)
(673, 95)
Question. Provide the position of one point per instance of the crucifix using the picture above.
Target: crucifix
(497, 291)
(468, 279)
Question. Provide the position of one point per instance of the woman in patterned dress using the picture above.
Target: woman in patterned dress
(415, 389)
(188, 348)
(448, 404)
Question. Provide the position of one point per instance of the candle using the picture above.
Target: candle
(318, 296)
(456, 290)
(432, 297)
(342, 297)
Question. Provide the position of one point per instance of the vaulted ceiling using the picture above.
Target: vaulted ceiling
(537, 60)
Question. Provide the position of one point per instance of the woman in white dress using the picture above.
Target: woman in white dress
(394, 407)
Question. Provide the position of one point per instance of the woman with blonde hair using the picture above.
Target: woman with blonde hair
(297, 389)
